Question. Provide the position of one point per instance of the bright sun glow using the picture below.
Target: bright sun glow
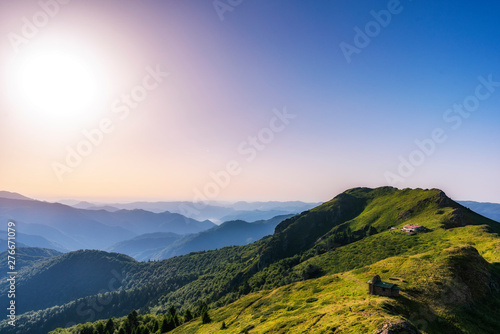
(57, 85)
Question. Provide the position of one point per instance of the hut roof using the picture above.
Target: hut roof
(385, 285)
(376, 281)
(412, 226)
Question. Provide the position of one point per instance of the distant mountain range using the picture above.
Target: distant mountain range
(28, 240)
(231, 233)
(140, 221)
(490, 210)
(145, 246)
(63, 227)
(59, 223)
(217, 212)
(131, 229)
(160, 246)
(11, 195)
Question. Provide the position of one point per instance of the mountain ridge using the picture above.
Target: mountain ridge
(358, 233)
(487, 209)
(230, 233)
(79, 229)
(13, 195)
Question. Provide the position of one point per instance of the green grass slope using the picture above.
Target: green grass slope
(310, 276)
(449, 292)
(446, 293)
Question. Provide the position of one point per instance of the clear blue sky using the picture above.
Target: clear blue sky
(354, 120)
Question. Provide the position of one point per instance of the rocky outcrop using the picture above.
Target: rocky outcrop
(471, 279)
(457, 219)
(442, 200)
(401, 327)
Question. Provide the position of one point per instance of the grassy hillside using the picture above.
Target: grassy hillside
(446, 293)
(310, 276)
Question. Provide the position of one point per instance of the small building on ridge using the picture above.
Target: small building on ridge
(377, 287)
(413, 228)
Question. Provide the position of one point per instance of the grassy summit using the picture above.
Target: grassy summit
(449, 276)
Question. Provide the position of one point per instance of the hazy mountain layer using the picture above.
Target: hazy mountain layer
(490, 210)
(68, 228)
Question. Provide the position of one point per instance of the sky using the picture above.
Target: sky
(248, 100)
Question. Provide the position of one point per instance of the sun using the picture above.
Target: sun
(57, 85)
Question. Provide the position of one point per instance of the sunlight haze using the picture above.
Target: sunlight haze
(155, 99)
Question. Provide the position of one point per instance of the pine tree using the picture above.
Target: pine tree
(156, 326)
(87, 329)
(110, 326)
(164, 325)
(127, 327)
(205, 318)
(132, 319)
(372, 230)
(174, 319)
(202, 307)
(188, 316)
(99, 328)
(172, 311)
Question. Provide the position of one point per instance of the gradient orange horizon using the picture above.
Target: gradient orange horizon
(225, 82)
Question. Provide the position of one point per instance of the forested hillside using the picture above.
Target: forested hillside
(310, 275)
